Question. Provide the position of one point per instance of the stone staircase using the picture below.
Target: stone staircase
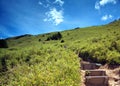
(93, 76)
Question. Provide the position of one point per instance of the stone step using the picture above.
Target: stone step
(96, 81)
(89, 66)
(95, 73)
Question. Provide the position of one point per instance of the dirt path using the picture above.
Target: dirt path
(113, 73)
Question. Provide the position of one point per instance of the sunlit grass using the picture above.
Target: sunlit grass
(36, 61)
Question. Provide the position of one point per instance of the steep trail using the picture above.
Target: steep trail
(99, 75)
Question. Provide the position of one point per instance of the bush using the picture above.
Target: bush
(56, 36)
(3, 65)
(115, 46)
(62, 41)
(3, 43)
(39, 40)
(95, 40)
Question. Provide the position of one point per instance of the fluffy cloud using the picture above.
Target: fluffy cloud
(104, 2)
(106, 17)
(60, 2)
(54, 16)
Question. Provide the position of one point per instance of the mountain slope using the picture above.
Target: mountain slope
(47, 59)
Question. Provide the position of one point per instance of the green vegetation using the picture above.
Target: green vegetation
(3, 44)
(36, 61)
(39, 66)
(56, 36)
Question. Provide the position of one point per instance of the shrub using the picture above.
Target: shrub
(68, 34)
(84, 55)
(95, 40)
(48, 39)
(56, 36)
(62, 41)
(3, 64)
(3, 43)
(114, 45)
(39, 40)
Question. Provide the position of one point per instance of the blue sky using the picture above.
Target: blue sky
(18, 17)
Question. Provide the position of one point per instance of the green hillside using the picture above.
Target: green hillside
(52, 59)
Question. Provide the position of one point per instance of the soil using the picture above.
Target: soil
(113, 72)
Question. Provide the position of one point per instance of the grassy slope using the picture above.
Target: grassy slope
(29, 61)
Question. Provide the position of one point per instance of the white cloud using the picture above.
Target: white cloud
(104, 2)
(106, 17)
(97, 6)
(44, 5)
(54, 16)
(110, 16)
(40, 3)
(60, 2)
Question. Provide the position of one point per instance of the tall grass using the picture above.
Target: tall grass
(36, 61)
